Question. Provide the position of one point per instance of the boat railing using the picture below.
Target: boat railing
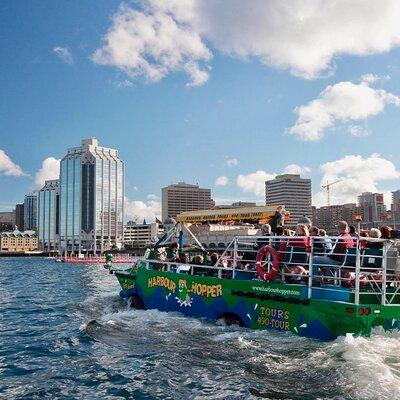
(367, 267)
(328, 265)
(189, 268)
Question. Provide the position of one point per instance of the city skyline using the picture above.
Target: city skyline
(227, 115)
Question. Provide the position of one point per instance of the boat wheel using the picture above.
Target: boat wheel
(136, 303)
(230, 319)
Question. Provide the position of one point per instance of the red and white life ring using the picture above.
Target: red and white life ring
(260, 263)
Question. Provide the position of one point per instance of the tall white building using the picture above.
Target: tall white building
(48, 216)
(182, 197)
(30, 212)
(91, 199)
(292, 191)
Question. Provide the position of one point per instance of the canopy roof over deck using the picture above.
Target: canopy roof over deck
(255, 213)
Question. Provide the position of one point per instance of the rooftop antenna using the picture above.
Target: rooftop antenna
(327, 187)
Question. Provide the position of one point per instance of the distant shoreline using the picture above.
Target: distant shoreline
(19, 254)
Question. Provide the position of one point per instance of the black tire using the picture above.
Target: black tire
(230, 319)
(136, 303)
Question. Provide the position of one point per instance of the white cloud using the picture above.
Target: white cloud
(232, 162)
(50, 170)
(152, 197)
(254, 182)
(152, 42)
(303, 36)
(343, 102)
(358, 131)
(8, 167)
(64, 54)
(296, 169)
(139, 210)
(372, 78)
(356, 174)
(124, 83)
(222, 181)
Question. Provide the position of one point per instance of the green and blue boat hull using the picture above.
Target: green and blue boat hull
(258, 305)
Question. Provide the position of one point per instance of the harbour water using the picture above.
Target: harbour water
(66, 334)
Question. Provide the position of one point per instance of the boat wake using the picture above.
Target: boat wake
(371, 364)
(203, 359)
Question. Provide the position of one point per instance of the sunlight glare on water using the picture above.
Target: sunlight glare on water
(65, 333)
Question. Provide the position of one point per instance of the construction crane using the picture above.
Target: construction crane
(327, 187)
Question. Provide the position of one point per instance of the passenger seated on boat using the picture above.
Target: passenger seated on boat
(303, 241)
(386, 232)
(173, 252)
(318, 244)
(336, 256)
(250, 255)
(374, 233)
(276, 243)
(182, 259)
(213, 258)
(266, 232)
(363, 234)
(210, 262)
(296, 263)
(158, 254)
(295, 273)
(353, 231)
(198, 260)
(327, 241)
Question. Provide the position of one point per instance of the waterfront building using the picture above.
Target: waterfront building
(140, 235)
(48, 216)
(91, 199)
(292, 191)
(7, 221)
(19, 215)
(372, 208)
(327, 217)
(18, 242)
(30, 212)
(182, 197)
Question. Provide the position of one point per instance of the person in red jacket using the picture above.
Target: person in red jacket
(336, 256)
(303, 240)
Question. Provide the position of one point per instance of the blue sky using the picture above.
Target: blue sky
(182, 104)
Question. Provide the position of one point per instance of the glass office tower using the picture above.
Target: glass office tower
(48, 216)
(91, 199)
(30, 212)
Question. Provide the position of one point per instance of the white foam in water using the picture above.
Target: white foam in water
(368, 368)
(372, 364)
